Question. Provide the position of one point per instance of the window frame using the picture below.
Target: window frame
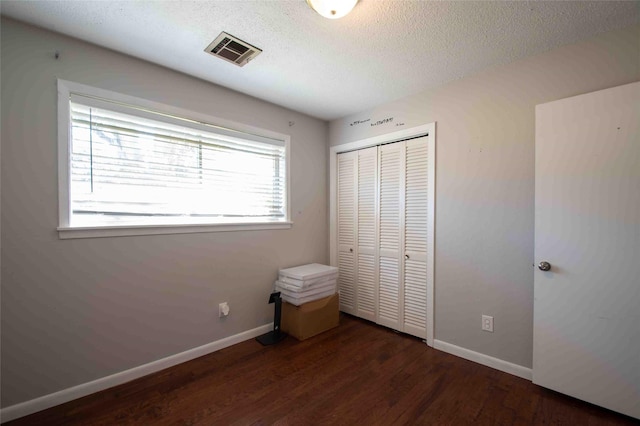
(66, 231)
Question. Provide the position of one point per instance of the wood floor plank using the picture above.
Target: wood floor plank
(356, 374)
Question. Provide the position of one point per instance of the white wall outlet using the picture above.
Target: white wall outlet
(223, 309)
(487, 323)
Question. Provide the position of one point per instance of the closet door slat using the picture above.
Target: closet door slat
(390, 217)
(415, 237)
(367, 239)
(347, 204)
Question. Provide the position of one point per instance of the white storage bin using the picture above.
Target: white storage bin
(294, 299)
(301, 285)
(292, 290)
(310, 271)
(306, 276)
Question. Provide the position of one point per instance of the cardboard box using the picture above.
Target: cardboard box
(311, 318)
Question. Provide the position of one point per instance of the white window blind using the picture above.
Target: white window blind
(130, 165)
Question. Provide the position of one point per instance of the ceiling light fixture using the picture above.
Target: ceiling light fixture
(332, 9)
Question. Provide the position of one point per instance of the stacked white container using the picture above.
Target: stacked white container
(307, 283)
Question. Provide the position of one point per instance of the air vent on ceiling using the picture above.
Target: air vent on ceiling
(232, 49)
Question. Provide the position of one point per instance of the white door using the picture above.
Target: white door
(391, 160)
(416, 215)
(347, 203)
(587, 227)
(367, 224)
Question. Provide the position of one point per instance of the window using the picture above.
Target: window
(129, 164)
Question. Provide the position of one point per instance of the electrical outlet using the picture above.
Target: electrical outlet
(487, 323)
(223, 309)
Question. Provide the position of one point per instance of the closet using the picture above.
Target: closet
(383, 209)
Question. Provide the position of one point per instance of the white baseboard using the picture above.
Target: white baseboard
(47, 401)
(489, 361)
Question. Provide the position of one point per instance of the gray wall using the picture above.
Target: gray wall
(485, 181)
(77, 310)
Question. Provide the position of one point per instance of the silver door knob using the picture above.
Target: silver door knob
(544, 266)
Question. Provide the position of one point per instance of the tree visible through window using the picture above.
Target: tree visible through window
(135, 166)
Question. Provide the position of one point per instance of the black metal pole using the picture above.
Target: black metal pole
(275, 335)
(277, 317)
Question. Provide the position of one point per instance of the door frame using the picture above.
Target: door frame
(428, 130)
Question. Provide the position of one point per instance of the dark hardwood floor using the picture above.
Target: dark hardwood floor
(356, 374)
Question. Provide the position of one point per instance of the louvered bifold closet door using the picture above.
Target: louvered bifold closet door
(391, 247)
(415, 237)
(347, 230)
(367, 281)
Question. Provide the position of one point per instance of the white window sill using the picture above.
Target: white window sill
(65, 233)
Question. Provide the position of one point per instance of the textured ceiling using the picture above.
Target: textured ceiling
(384, 50)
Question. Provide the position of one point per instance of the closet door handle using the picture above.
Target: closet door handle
(351, 250)
(406, 256)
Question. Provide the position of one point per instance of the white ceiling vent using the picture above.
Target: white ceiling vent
(232, 49)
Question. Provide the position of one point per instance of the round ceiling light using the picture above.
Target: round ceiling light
(332, 9)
